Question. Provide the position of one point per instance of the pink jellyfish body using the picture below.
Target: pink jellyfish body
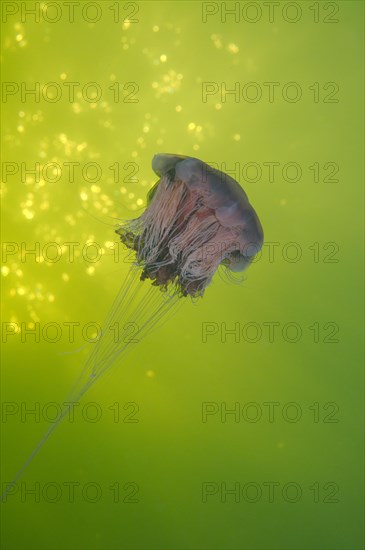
(197, 219)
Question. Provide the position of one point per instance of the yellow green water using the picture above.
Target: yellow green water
(292, 370)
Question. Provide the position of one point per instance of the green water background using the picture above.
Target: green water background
(168, 52)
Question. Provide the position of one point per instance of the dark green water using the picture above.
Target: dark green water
(153, 458)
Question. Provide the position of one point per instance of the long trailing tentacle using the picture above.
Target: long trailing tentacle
(141, 310)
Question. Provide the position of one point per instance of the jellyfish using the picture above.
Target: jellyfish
(197, 218)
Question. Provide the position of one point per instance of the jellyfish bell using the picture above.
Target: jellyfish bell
(197, 218)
